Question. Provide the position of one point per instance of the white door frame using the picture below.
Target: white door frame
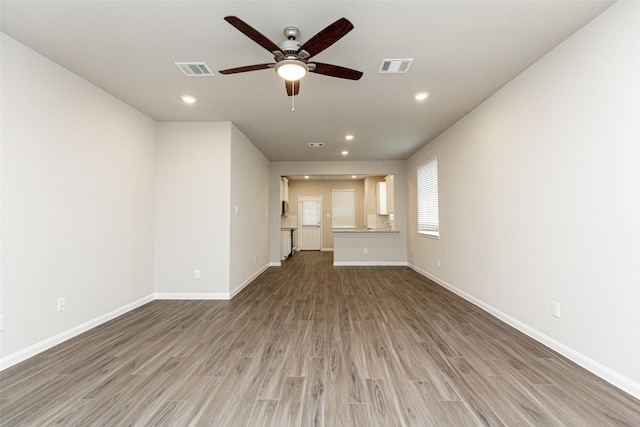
(300, 226)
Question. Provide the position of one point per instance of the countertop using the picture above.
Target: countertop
(363, 230)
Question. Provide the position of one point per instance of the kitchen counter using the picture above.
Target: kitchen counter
(363, 230)
(368, 247)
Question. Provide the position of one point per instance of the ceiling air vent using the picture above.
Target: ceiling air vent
(316, 144)
(394, 66)
(195, 69)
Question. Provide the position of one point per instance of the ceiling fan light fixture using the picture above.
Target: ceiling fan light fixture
(291, 69)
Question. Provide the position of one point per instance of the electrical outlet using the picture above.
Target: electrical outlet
(366, 251)
(555, 309)
(438, 263)
(62, 304)
(1, 323)
(196, 274)
(255, 259)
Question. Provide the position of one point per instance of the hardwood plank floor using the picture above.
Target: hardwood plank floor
(307, 344)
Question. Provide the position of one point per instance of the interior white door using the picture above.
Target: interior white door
(309, 223)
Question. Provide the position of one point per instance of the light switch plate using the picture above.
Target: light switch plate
(555, 309)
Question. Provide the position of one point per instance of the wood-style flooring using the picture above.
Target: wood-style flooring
(310, 344)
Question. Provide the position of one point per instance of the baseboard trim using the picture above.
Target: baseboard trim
(275, 264)
(192, 296)
(48, 343)
(607, 374)
(326, 250)
(249, 280)
(369, 264)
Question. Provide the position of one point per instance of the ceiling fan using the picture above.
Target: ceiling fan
(292, 57)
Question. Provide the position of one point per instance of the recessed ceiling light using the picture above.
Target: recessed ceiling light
(345, 152)
(421, 96)
(306, 177)
(189, 99)
(349, 137)
(353, 176)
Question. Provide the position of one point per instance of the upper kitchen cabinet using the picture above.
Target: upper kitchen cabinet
(284, 196)
(390, 192)
(381, 198)
(284, 189)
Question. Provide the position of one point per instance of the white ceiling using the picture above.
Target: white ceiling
(463, 52)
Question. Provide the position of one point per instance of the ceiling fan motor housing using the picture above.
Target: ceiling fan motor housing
(290, 47)
(292, 59)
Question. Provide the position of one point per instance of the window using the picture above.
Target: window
(427, 183)
(310, 212)
(343, 209)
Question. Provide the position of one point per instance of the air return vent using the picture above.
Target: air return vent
(195, 69)
(394, 66)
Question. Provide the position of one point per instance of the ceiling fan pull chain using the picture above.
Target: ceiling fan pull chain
(293, 98)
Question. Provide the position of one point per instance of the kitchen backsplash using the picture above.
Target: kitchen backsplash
(290, 221)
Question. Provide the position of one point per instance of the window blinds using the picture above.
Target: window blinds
(427, 183)
(344, 209)
(310, 212)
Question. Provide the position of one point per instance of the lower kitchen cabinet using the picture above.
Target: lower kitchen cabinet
(285, 244)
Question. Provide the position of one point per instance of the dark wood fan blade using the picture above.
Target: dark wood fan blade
(336, 71)
(252, 33)
(327, 37)
(292, 87)
(247, 68)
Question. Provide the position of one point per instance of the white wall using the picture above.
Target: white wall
(105, 207)
(205, 170)
(249, 254)
(278, 169)
(78, 177)
(539, 199)
(193, 199)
